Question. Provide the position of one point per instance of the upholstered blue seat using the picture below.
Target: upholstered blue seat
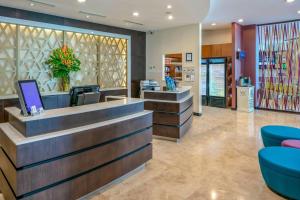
(280, 167)
(274, 135)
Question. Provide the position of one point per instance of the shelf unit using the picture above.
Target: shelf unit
(173, 66)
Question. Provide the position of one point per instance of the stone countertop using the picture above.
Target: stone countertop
(17, 138)
(177, 91)
(170, 101)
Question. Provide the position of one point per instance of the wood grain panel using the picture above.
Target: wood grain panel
(42, 126)
(1, 111)
(226, 50)
(206, 51)
(169, 107)
(41, 150)
(216, 50)
(5, 188)
(29, 179)
(9, 103)
(112, 93)
(74, 188)
(173, 119)
(176, 132)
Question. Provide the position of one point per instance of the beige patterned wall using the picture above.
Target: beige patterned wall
(113, 62)
(24, 50)
(86, 48)
(8, 45)
(35, 46)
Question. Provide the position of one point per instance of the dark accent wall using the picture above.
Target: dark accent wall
(250, 46)
(236, 64)
(138, 39)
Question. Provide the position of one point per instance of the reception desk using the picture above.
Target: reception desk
(173, 112)
(66, 153)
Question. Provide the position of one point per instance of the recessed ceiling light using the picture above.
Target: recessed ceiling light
(298, 11)
(81, 1)
(88, 16)
(41, 3)
(136, 14)
(169, 6)
(170, 17)
(214, 24)
(289, 1)
(91, 14)
(241, 20)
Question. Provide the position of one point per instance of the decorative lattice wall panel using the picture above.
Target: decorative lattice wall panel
(86, 48)
(8, 69)
(113, 62)
(279, 67)
(24, 50)
(35, 46)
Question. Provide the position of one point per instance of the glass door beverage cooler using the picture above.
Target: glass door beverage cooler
(213, 79)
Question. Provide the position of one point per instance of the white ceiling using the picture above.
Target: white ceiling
(152, 12)
(223, 12)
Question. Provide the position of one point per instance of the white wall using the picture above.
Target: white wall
(221, 36)
(185, 39)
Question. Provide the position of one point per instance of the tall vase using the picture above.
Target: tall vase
(66, 84)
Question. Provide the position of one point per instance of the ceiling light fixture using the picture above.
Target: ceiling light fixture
(170, 17)
(81, 1)
(132, 22)
(214, 24)
(298, 11)
(241, 20)
(90, 14)
(136, 14)
(169, 6)
(41, 3)
(289, 1)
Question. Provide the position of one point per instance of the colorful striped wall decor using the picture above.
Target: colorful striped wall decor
(279, 67)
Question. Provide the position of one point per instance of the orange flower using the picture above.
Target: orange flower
(64, 49)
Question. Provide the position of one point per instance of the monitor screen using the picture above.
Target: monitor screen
(31, 95)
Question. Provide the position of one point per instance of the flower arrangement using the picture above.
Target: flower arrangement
(62, 61)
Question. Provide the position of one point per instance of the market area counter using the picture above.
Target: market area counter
(69, 152)
(173, 112)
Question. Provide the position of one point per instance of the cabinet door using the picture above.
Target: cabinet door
(206, 51)
(227, 50)
(216, 50)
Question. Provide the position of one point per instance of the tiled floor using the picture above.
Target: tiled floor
(217, 159)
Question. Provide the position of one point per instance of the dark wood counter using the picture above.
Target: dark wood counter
(173, 112)
(72, 161)
(51, 100)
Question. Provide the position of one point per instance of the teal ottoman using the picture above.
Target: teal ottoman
(280, 168)
(275, 135)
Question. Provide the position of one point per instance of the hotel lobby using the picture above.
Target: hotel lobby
(149, 100)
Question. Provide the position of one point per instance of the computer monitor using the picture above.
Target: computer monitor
(29, 96)
(82, 95)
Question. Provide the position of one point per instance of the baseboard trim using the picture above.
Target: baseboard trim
(198, 114)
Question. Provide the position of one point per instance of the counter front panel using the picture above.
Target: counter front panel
(171, 118)
(69, 163)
